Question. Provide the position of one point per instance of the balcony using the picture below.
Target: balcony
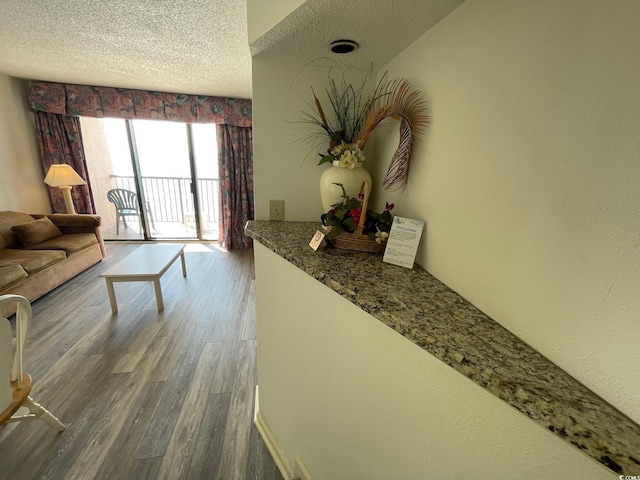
(169, 207)
(166, 156)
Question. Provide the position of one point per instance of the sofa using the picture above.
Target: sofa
(40, 252)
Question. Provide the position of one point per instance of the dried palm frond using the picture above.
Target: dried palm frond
(399, 102)
(347, 107)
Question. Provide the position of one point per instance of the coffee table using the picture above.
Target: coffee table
(146, 264)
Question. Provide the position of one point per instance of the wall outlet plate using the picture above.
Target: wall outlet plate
(276, 209)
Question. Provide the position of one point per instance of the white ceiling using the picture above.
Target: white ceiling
(382, 29)
(195, 46)
(185, 46)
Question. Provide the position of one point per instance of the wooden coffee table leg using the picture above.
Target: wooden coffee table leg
(184, 265)
(159, 299)
(112, 295)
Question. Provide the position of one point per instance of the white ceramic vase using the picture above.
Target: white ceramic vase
(351, 179)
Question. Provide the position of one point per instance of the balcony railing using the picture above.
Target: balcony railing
(170, 198)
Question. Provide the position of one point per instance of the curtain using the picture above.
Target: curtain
(60, 141)
(90, 101)
(235, 151)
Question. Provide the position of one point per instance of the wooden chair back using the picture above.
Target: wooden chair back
(11, 356)
(6, 362)
(15, 384)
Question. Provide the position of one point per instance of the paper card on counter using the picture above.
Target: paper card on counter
(316, 240)
(403, 241)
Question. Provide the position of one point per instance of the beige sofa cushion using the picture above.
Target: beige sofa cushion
(10, 275)
(31, 260)
(69, 243)
(35, 232)
(7, 220)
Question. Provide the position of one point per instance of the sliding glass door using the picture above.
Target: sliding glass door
(162, 151)
(166, 171)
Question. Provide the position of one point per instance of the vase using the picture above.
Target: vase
(351, 178)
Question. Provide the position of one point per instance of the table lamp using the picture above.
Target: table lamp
(63, 176)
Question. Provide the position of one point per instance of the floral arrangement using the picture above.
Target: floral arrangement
(345, 217)
(347, 154)
(357, 111)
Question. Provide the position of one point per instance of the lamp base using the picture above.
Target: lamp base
(68, 201)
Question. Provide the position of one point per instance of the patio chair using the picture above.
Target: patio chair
(126, 203)
(15, 385)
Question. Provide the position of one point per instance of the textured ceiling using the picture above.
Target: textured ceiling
(186, 46)
(195, 46)
(382, 28)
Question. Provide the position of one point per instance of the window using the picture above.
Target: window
(170, 168)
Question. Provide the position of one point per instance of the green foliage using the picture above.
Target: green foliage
(325, 159)
(378, 222)
(345, 215)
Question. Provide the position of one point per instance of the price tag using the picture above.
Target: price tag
(403, 241)
(316, 241)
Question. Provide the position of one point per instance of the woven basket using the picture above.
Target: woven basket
(356, 240)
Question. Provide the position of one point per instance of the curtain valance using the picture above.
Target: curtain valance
(91, 101)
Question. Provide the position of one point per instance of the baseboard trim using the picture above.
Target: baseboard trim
(272, 445)
(300, 470)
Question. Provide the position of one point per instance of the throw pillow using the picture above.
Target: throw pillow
(33, 233)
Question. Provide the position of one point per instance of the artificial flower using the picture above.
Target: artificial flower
(345, 217)
(348, 160)
(346, 154)
(381, 237)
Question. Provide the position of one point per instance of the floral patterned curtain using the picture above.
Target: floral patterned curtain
(90, 101)
(235, 151)
(60, 141)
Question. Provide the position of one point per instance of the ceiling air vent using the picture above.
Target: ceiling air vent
(343, 46)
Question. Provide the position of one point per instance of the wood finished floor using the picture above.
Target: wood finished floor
(145, 395)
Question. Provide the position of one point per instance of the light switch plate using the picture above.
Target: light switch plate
(276, 210)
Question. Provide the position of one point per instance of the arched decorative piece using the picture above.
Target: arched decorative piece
(408, 107)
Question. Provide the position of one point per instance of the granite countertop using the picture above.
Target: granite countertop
(421, 308)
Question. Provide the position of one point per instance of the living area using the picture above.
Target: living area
(158, 384)
(149, 379)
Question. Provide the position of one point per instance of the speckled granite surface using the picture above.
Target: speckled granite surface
(431, 315)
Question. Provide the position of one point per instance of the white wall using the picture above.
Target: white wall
(22, 185)
(285, 168)
(529, 178)
(355, 400)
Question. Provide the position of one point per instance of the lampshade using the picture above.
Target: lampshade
(61, 174)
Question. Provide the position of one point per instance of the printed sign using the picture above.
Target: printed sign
(403, 241)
